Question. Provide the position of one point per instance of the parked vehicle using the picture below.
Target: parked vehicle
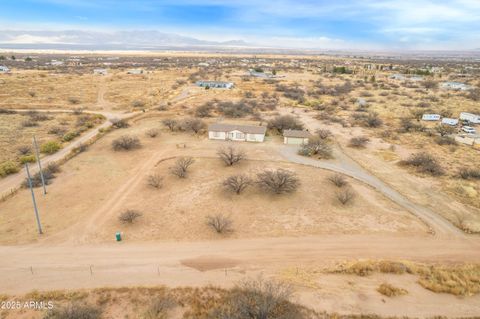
(469, 130)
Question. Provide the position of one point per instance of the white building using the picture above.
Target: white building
(457, 86)
(234, 132)
(431, 117)
(449, 121)
(472, 118)
(4, 69)
(56, 63)
(135, 71)
(295, 137)
(100, 71)
(397, 76)
(215, 84)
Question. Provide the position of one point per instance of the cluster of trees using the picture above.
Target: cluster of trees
(194, 125)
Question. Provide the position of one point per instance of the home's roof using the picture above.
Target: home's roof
(224, 127)
(296, 133)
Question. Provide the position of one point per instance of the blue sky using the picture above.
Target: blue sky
(340, 24)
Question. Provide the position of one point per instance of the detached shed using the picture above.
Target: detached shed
(295, 137)
(431, 117)
(449, 121)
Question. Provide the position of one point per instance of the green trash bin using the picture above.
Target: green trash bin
(118, 236)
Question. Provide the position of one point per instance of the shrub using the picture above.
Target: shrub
(170, 123)
(119, 123)
(338, 180)
(7, 168)
(129, 216)
(193, 125)
(159, 308)
(25, 150)
(230, 155)
(391, 291)
(48, 174)
(285, 122)
(138, 103)
(50, 147)
(445, 140)
(278, 181)
(153, 132)
(204, 110)
(220, 223)
(126, 143)
(28, 159)
(29, 123)
(73, 100)
(74, 311)
(181, 166)
(237, 183)
(155, 181)
(469, 173)
(345, 196)
(57, 130)
(323, 134)
(70, 136)
(425, 163)
(359, 141)
(316, 146)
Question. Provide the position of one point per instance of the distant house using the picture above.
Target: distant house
(295, 137)
(135, 71)
(472, 118)
(4, 69)
(457, 86)
(431, 117)
(215, 84)
(56, 63)
(203, 64)
(449, 121)
(100, 71)
(235, 132)
(397, 76)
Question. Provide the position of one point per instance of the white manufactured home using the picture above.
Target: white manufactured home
(457, 86)
(234, 132)
(472, 118)
(431, 117)
(295, 137)
(215, 84)
(4, 69)
(449, 121)
(100, 71)
(135, 71)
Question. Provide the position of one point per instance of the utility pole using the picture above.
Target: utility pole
(39, 165)
(33, 200)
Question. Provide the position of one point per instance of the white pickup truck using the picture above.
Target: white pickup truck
(468, 130)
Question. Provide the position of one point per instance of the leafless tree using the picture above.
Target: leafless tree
(153, 132)
(220, 223)
(119, 123)
(323, 134)
(230, 155)
(125, 143)
(25, 150)
(345, 196)
(338, 180)
(170, 123)
(318, 147)
(193, 125)
(181, 166)
(237, 183)
(129, 216)
(278, 181)
(444, 130)
(155, 181)
(359, 141)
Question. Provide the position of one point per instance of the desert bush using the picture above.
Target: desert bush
(50, 147)
(444, 130)
(138, 103)
(323, 134)
(237, 183)
(159, 308)
(358, 141)
(204, 110)
(129, 216)
(238, 109)
(126, 143)
(7, 168)
(119, 123)
(285, 122)
(48, 174)
(338, 180)
(425, 163)
(38, 117)
(153, 132)
(220, 223)
(469, 173)
(29, 123)
(407, 125)
(57, 130)
(445, 140)
(259, 299)
(70, 136)
(73, 100)
(278, 181)
(318, 147)
(170, 123)
(231, 155)
(24, 150)
(27, 159)
(391, 291)
(192, 125)
(155, 181)
(74, 311)
(181, 166)
(345, 196)
(373, 120)
(430, 84)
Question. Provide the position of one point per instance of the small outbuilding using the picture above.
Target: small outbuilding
(135, 71)
(296, 137)
(449, 121)
(215, 84)
(236, 132)
(472, 118)
(4, 69)
(431, 117)
(100, 71)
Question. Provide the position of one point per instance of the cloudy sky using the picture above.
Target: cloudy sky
(320, 24)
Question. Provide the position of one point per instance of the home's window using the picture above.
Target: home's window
(216, 134)
(240, 135)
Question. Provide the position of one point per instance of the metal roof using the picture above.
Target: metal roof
(296, 133)
(224, 127)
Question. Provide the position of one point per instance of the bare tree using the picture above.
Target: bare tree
(278, 181)
(193, 125)
(129, 216)
(153, 132)
(181, 166)
(345, 196)
(220, 223)
(170, 123)
(155, 181)
(237, 183)
(359, 141)
(119, 123)
(230, 155)
(323, 134)
(318, 147)
(338, 180)
(444, 130)
(125, 143)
